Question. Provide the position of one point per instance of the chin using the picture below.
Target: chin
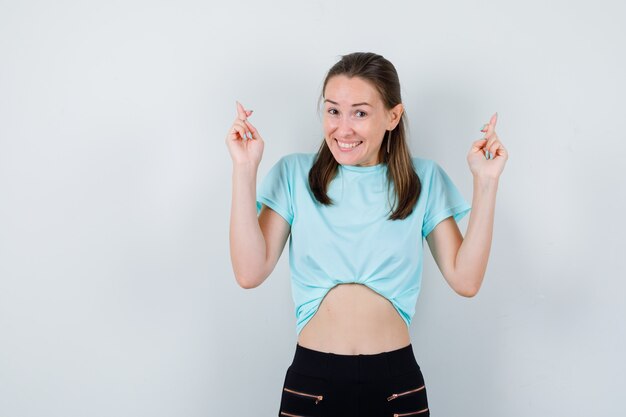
(354, 157)
(345, 159)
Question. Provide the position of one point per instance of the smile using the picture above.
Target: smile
(348, 145)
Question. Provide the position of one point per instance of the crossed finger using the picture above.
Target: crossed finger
(491, 146)
(239, 127)
(490, 134)
(253, 132)
(245, 129)
(242, 113)
(496, 148)
(490, 127)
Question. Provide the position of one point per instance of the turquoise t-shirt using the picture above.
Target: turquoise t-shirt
(352, 241)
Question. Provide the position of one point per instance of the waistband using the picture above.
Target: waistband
(354, 368)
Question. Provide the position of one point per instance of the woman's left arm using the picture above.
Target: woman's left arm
(463, 261)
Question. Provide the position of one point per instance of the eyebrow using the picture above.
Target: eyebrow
(354, 105)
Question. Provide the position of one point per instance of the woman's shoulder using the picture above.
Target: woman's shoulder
(423, 165)
(297, 160)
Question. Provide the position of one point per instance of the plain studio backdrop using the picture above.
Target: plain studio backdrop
(117, 296)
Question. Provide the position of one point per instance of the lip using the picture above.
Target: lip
(349, 143)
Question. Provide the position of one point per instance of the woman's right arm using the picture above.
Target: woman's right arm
(256, 243)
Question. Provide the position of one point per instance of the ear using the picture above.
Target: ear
(394, 116)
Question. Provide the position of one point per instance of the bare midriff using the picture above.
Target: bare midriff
(354, 319)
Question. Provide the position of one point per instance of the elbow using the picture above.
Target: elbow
(248, 276)
(247, 283)
(251, 273)
(466, 284)
(468, 291)
(250, 280)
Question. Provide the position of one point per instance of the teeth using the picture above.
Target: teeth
(348, 145)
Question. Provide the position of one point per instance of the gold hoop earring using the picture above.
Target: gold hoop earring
(388, 140)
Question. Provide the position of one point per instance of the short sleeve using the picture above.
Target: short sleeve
(275, 190)
(444, 200)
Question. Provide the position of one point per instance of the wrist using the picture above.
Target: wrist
(245, 168)
(486, 182)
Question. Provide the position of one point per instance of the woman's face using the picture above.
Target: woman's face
(355, 120)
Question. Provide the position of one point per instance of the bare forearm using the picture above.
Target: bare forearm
(247, 244)
(472, 257)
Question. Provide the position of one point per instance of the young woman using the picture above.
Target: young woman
(357, 212)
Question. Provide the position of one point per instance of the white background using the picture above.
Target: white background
(117, 296)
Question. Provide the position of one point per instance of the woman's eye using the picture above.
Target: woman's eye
(360, 113)
(332, 111)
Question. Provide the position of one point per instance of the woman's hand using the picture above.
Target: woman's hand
(244, 142)
(490, 165)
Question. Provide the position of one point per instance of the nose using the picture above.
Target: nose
(344, 126)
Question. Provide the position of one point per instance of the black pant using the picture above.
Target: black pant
(387, 384)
